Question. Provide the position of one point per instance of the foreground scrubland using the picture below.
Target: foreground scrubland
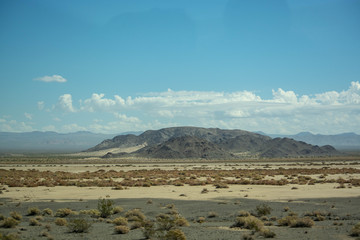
(238, 200)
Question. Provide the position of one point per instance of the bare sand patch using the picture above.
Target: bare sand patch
(259, 192)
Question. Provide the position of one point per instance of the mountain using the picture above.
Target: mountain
(343, 141)
(210, 143)
(48, 142)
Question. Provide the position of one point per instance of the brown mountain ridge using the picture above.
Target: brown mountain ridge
(209, 143)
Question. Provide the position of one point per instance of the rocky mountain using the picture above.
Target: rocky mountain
(210, 143)
(343, 141)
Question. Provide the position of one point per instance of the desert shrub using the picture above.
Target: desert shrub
(10, 236)
(34, 222)
(181, 222)
(221, 185)
(148, 229)
(249, 222)
(120, 221)
(78, 225)
(47, 211)
(212, 214)
(91, 212)
(32, 211)
(117, 209)
(294, 221)
(2, 217)
(135, 215)
(136, 225)
(243, 214)
(355, 231)
(61, 222)
(9, 222)
(105, 207)
(63, 212)
(200, 219)
(263, 209)
(175, 234)
(267, 233)
(247, 237)
(205, 190)
(121, 229)
(16, 215)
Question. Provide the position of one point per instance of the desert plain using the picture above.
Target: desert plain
(254, 199)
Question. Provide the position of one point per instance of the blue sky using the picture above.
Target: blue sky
(282, 66)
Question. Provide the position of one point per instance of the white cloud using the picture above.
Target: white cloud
(49, 128)
(285, 112)
(28, 116)
(284, 96)
(14, 126)
(73, 127)
(53, 78)
(65, 103)
(41, 105)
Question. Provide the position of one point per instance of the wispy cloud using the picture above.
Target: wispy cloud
(28, 116)
(283, 113)
(53, 78)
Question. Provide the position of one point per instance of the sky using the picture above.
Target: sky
(284, 66)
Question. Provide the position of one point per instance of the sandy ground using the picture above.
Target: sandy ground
(259, 192)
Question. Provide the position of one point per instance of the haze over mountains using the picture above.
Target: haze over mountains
(52, 142)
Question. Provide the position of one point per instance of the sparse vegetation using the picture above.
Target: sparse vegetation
(249, 222)
(32, 211)
(120, 221)
(64, 212)
(295, 221)
(60, 221)
(355, 231)
(9, 223)
(15, 215)
(263, 209)
(105, 207)
(122, 229)
(78, 225)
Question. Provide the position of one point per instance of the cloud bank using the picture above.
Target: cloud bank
(285, 112)
(53, 78)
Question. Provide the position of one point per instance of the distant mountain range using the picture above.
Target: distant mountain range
(209, 143)
(49, 142)
(343, 141)
(52, 142)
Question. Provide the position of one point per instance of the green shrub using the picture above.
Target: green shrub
(32, 211)
(9, 222)
(78, 225)
(122, 229)
(61, 222)
(105, 207)
(263, 209)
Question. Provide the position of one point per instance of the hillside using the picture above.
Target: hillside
(209, 143)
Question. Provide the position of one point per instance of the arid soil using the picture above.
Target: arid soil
(211, 197)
